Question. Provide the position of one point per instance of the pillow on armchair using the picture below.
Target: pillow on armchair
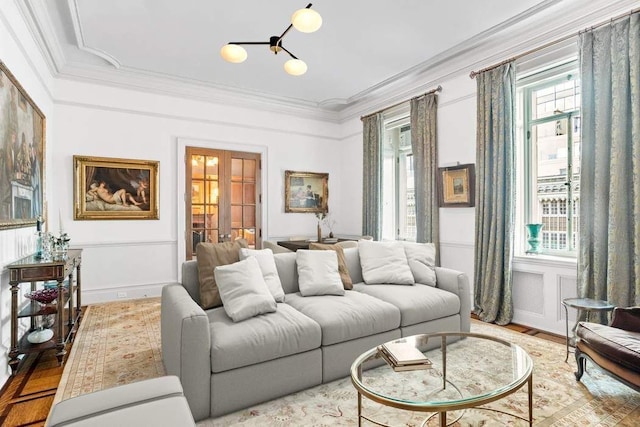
(627, 319)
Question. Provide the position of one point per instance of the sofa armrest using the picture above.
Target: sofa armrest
(627, 319)
(457, 282)
(83, 408)
(186, 346)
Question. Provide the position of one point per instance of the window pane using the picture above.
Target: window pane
(552, 159)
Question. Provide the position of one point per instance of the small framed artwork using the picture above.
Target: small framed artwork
(110, 188)
(306, 192)
(457, 186)
(22, 154)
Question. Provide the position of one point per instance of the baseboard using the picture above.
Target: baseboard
(95, 296)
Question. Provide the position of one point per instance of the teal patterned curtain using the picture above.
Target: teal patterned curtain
(424, 146)
(609, 256)
(495, 194)
(372, 176)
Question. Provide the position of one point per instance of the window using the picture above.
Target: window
(398, 194)
(549, 155)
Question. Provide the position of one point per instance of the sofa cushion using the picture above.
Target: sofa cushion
(422, 261)
(417, 304)
(268, 268)
(318, 273)
(617, 345)
(342, 264)
(344, 318)
(384, 262)
(258, 339)
(243, 291)
(209, 256)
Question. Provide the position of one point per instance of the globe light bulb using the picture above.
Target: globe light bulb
(295, 67)
(306, 20)
(233, 53)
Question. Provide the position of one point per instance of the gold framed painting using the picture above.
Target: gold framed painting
(22, 154)
(112, 188)
(306, 192)
(457, 186)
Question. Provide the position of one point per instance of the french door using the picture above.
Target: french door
(222, 197)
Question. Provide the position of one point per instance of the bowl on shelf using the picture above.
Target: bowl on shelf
(44, 296)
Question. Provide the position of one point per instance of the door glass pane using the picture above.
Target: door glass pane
(197, 217)
(197, 166)
(212, 236)
(236, 216)
(212, 167)
(249, 217)
(249, 173)
(250, 194)
(212, 217)
(236, 169)
(212, 192)
(197, 192)
(236, 193)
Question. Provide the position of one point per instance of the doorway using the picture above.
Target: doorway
(223, 200)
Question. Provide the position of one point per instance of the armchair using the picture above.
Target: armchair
(614, 348)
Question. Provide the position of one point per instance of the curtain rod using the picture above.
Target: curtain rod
(438, 89)
(473, 74)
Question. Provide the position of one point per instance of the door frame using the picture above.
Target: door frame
(181, 144)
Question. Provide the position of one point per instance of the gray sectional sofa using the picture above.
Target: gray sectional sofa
(225, 366)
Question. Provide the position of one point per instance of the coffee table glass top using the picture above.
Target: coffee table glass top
(473, 370)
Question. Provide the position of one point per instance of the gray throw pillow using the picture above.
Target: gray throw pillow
(243, 291)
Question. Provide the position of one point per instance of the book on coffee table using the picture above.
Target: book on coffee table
(403, 357)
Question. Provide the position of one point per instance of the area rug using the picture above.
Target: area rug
(119, 343)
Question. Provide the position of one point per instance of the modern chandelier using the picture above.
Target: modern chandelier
(304, 20)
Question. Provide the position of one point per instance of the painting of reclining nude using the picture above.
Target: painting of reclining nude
(111, 188)
(22, 135)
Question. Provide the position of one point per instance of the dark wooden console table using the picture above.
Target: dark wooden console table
(294, 245)
(31, 269)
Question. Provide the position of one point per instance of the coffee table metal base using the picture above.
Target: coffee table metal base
(441, 409)
(442, 415)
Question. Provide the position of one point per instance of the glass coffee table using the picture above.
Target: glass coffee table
(468, 370)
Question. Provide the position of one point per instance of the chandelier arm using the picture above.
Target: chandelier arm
(248, 43)
(290, 54)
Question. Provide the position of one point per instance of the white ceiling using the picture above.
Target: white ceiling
(362, 44)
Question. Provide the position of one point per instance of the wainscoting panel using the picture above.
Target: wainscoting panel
(539, 285)
(527, 296)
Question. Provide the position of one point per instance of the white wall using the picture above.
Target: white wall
(20, 55)
(138, 257)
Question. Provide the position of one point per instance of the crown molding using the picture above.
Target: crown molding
(38, 22)
(549, 20)
(77, 29)
(145, 81)
(493, 47)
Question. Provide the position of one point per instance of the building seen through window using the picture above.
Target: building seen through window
(551, 157)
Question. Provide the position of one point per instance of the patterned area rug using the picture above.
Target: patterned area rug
(119, 343)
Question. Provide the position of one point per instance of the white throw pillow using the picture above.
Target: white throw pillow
(318, 273)
(243, 291)
(422, 261)
(384, 262)
(269, 270)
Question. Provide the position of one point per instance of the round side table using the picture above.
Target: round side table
(585, 304)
